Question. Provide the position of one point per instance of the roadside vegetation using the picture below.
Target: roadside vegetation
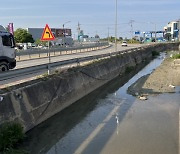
(11, 134)
(176, 56)
(129, 69)
(22, 36)
(120, 40)
(155, 53)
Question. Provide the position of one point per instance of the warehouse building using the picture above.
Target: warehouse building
(58, 32)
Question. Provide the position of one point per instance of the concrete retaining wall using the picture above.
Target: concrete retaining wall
(34, 102)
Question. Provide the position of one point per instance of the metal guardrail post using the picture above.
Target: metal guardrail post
(78, 62)
(49, 68)
(29, 56)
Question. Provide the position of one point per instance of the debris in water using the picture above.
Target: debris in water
(1, 98)
(171, 86)
(136, 94)
(143, 98)
(117, 119)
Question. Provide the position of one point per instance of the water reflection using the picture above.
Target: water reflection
(47, 134)
(88, 125)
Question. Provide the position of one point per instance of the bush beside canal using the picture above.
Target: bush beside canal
(11, 134)
(176, 56)
(155, 53)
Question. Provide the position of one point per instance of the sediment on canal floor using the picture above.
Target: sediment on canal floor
(35, 101)
(165, 79)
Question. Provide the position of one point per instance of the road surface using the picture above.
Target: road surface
(29, 63)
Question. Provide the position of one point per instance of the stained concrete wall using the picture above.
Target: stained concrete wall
(34, 102)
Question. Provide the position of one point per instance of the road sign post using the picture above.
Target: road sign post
(48, 36)
(49, 56)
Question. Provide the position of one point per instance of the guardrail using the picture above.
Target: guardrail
(38, 68)
(28, 54)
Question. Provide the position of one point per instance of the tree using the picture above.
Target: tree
(39, 42)
(22, 36)
(120, 38)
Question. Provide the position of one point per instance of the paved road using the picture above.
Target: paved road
(29, 63)
(22, 64)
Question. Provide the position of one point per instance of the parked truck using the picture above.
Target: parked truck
(7, 51)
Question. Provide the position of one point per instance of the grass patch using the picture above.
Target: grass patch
(176, 56)
(155, 53)
(11, 134)
(129, 69)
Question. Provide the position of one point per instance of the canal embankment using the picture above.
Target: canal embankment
(33, 102)
(164, 79)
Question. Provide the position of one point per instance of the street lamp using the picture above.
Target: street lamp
(154, 29)
(64, 31)
(179, 31)
(116, 28)
(108, 34)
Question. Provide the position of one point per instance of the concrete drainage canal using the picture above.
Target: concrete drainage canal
(109, 120)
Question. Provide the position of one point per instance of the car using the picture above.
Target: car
(124, 44)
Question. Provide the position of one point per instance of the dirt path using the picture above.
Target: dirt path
(162, 80)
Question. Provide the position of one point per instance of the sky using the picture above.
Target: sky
(94, 16)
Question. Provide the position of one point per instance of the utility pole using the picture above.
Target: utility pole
(63, 36)
(64, 32)
(131, 24)
(155, 31)
(179, 29)
(108, 34)
(116, 29)
(78, 30)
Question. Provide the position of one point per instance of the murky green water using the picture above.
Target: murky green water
(109, 121)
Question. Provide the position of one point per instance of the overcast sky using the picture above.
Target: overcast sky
(95, 16)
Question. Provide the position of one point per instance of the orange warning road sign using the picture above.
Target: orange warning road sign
(47, 34)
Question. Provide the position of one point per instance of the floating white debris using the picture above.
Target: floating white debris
(136, 94)
(142, 98)
(1, 98)
(117, 119)
(171, 86)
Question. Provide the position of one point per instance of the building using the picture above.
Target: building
(172, 30)
(58, 32)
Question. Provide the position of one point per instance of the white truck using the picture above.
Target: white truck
(7, 51)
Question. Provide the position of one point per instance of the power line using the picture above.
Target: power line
(104, 24)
